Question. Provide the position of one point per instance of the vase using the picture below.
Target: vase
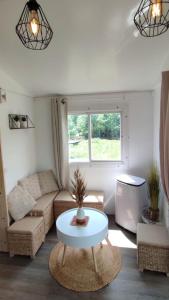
(24, 124)
(17, 124)
(80, 215)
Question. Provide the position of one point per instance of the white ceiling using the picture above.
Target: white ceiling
(93, 49)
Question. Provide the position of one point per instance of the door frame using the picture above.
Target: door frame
(4, 217)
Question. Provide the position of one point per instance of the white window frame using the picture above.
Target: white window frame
(123, 110)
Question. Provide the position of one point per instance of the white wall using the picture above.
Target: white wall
(18, 146)
(44, 145)
(8, 83)
(140, 131)
(163, 203)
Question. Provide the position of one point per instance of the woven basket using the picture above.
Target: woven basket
(153, 258)
(26, 243)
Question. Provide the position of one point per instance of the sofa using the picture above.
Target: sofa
(30, 206)
(33, 206)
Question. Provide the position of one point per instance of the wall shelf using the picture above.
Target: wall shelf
(20, 122)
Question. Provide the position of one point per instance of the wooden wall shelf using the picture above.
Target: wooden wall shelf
(20, 122)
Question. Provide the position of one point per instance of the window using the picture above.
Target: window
(95, 137)
(78, 127)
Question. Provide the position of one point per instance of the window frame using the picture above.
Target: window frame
(123, 136)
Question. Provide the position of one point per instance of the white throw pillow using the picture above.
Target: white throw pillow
(47, 182)
(31, 185)
(20, 203)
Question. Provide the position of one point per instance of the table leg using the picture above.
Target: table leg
(94, 260)
(63, 257)
(108, 242)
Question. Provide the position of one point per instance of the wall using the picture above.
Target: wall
(140, 138)
(163, 203)
(8, 83)
(18, 146)
(44, 145)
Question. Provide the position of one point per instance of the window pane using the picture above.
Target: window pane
(106, 136)
(78, 138)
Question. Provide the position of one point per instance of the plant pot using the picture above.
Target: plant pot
(17, 124)
(23, 124)
(80, 215)
(154, 214)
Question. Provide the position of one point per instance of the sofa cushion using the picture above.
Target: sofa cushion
(152, 234)
(26, 225)
(31, 185)
(20, 202)
(47, 182)
(42, 204)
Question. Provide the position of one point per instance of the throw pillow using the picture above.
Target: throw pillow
(47, 182)
(31, 185)
(20, 203)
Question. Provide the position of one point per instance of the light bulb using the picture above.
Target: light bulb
(34, 26)
(157, 9)
(34, 22)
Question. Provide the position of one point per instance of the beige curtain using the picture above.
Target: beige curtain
(164, 133)
(60, 141)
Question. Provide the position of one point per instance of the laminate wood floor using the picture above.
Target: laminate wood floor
(26, 279)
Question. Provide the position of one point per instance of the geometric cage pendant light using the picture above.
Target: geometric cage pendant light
(33, 28)
(152, 17)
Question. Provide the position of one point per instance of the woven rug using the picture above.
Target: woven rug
(78, 272)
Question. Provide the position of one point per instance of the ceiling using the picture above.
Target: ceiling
(94, 49)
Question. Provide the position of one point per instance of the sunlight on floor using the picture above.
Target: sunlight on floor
(118, 238)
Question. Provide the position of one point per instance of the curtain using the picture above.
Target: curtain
(60, 141)
(164, 133)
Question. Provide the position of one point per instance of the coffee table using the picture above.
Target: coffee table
(82, 236)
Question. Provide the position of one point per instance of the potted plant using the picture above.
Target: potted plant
(16, 122)
(24, 122)
(79, 194)
(153, 186)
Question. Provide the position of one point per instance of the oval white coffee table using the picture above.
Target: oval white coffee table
(82, 236)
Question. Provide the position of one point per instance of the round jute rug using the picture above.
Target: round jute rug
(78, 272)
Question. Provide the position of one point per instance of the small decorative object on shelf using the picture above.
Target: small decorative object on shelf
(16, 122)
(24, 122)
(20, 122)
(79, 194)
(153, 186)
